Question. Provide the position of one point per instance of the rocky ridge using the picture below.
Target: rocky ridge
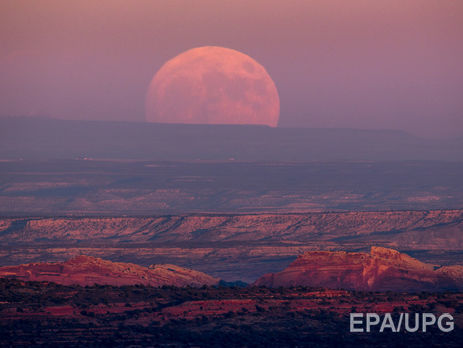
(429, 229)
(86, 270)
(380, 270)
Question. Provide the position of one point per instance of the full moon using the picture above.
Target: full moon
(212, 85)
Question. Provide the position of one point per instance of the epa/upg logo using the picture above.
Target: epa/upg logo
(360, 322)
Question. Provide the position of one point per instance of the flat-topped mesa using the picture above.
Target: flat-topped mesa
(435, 229)
(380, 270)
(87, 270)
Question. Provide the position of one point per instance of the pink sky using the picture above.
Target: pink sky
(393, 64)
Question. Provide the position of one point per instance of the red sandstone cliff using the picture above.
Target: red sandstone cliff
(86, 270)
(381, 269)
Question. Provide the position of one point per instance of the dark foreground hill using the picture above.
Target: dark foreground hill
(47, 314)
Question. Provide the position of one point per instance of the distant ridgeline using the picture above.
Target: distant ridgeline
(43, 138)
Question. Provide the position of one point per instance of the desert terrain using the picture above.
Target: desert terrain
(38, 313)
(231, 246)
(381, 269)
(245, 247)
(99, 187)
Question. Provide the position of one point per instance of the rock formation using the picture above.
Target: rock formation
(380, 270)
(86, 270)
(433, 229)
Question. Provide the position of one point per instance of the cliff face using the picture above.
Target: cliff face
(85, 270)
(380, 270)
(435, 229)
(231, 246)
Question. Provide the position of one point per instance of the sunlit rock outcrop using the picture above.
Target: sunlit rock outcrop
(87, 270)
(380, 270)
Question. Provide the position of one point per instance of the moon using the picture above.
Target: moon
(212, 85)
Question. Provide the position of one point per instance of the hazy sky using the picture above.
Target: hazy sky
(359, 63)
